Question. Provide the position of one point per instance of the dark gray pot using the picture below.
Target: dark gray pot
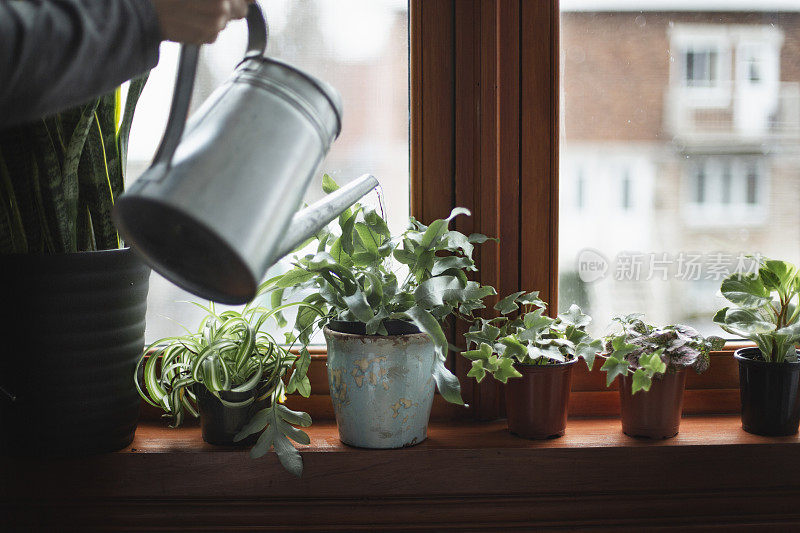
(71, 370)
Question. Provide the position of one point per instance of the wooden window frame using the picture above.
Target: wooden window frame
(484, 134)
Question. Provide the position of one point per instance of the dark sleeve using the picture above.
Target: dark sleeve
(58, 53)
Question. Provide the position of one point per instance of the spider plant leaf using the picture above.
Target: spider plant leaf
(251, 383)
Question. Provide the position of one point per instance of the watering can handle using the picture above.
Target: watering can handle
(257, 34)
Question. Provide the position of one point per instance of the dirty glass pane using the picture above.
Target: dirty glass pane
(679, 151)
(358, 46)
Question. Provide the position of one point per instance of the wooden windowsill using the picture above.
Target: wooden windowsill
(475, 474)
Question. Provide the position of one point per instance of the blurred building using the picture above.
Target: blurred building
(680, 132)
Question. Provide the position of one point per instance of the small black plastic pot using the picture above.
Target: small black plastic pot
(770, 394)
(219, 422)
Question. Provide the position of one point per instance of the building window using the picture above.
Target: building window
(701, 68)
(752, 184)
(580, 185)
(726, 181)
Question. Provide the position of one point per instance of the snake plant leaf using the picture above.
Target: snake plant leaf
(134, 93)
(12, 232)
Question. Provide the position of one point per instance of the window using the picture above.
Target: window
(703, 101)
(364, 57)
(701, 68)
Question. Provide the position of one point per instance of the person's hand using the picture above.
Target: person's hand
(197, 21)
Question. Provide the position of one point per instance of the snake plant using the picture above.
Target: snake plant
(231, 353)
(59, 177)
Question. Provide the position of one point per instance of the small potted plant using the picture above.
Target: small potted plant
(382, 301)
(231, 374)
(652, 362)
(765, 310)
(539, 352)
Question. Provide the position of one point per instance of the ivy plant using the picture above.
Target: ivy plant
(230, 352)
(765, 309)
(647, 351)
(361, 273)
(527, 338)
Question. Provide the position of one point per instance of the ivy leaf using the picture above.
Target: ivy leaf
(652, 362)
(477, 371)
(508, 304)
(614, 367)
(505, 370)
(588, 351)
(484, 352)
(641, 381)
(745, 290)
(575, 317)
(514, 348)
(486, 334)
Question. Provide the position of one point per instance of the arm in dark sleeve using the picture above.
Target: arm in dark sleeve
(58, 53)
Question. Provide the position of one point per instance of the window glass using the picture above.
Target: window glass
(358, 46)
(700, 102)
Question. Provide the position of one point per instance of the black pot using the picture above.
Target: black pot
(73, 332)
(219, 422)
(769, 392)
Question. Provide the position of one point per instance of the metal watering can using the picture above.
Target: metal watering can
(219, 204)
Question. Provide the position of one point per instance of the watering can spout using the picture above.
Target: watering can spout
(307, 222)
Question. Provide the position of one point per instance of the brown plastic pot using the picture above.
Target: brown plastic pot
(654, 414)
(536, 403)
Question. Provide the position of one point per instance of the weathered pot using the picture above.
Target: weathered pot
(654, 414)
(769, 393)
(536, 403)
(219, 422)
(381, 387)
(73, 332)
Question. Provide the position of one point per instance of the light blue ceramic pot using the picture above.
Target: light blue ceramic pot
(382, 387)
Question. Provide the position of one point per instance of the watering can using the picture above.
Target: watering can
(219, 204)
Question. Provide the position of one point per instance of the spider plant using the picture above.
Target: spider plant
(230, 352)
(59, 177)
